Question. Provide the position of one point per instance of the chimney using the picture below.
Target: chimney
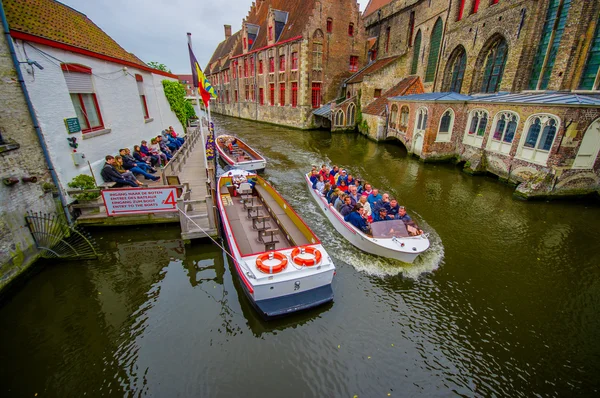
(227, 31)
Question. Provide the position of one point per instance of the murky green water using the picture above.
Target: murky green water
(506, 303)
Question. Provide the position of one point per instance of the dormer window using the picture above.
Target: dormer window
(251, 33)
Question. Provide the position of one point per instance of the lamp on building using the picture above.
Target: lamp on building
(31, 62)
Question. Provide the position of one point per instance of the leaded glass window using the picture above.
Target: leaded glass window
(589, 80)
(554, 26)
(495, 61)
(458, 71)
(434, 50)
(416, 52)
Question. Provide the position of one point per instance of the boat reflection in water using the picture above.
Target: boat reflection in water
(258, 325)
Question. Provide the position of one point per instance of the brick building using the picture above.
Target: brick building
(289, 58)
(187, 82)
(507, 87)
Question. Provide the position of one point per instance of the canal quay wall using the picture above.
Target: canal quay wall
(26, 182)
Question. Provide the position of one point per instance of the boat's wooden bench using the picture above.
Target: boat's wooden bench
(284, 221)
(237, 228)
(269, 238)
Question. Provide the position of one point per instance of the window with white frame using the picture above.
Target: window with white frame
(503, 132)
(421, 120)
(446, 125)
(404, 114)
(476, 126)
(140, 84)
(81, 89)
(351, 119)
(339, 118)
(393, 116)
(538, 137)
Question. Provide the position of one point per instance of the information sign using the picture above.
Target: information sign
(139, 200)
(72, 124)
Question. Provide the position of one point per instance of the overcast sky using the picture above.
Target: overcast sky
(155, 30)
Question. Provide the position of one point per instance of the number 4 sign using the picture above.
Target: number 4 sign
(139, 200)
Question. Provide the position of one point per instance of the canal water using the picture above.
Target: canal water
(506, 303)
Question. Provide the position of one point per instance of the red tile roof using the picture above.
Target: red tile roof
(372, 68)
(409, 85)
(224, 49)
(375, 5)
(49, 22)
(299, 12)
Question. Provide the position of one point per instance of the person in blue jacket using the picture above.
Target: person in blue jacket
(380, 215)
(374, 197)
(356, 218)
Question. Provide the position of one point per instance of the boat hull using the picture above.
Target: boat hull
(280, 294)
(250, 165)
(379, 247)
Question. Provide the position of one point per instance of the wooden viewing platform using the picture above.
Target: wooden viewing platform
(188, 171)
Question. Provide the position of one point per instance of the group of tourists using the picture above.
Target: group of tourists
(359, 203)
(124, 168)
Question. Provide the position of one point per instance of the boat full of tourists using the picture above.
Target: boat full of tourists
(238, 154)
(390, 238)
(281, 263)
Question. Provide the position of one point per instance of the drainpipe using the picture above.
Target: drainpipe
(34, 119)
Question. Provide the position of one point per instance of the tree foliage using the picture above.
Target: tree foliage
(159, 66)
(175, 93)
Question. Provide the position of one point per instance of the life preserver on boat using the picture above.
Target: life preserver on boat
(271, 269)
(302, 251)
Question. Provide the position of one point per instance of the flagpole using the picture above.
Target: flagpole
(196, 90)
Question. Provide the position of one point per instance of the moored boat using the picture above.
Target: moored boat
(389, 239)
(238, 154)
(281, 263)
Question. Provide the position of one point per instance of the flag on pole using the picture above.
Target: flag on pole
(200, 79)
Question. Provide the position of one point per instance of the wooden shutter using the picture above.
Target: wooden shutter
(592, 64)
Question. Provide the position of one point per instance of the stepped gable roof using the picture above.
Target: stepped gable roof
(375, 5)
(411, 83)
(371, 68)
(298, 15)
(54, 21)
(223, 50)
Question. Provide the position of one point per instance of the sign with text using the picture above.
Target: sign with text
(72, 124)
(139, 200)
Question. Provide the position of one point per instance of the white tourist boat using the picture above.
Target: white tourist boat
(238, 154)
(390, 238)
(281, 263)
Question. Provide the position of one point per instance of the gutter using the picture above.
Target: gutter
(32, 114)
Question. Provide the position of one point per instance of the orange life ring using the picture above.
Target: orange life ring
(309, 262)
(271, 269)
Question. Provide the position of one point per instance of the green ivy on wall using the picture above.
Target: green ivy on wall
(175, 93)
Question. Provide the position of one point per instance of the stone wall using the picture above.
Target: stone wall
(551, 177)
(17, 247)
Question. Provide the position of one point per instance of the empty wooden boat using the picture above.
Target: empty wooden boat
(280, 261)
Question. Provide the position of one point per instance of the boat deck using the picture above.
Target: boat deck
(246, 236)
